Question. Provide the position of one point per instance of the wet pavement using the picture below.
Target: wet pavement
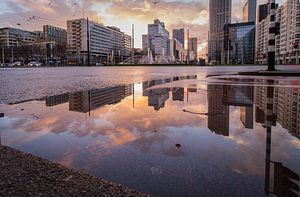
(173, 133)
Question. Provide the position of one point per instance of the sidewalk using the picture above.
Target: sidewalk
(26, 175)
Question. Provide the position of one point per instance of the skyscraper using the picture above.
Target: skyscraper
(158, 38)
(193, 47)
(145, 42)
(219, 15)
(249, 11)
(179, 35)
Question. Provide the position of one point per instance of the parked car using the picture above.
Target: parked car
(34, 63)
(18, 63)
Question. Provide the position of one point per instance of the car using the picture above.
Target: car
(17, 63)
(34, 63)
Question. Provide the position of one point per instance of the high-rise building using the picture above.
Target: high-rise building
(288, 16)
(239, 43)
(288, 20)
(54, 34)
(263, 12)
(158, 38)
(249, 11)
(176, 50)
(219, 15)
(16, 37)
(106, 44)
(145, 42)
(193, 48)
(179, 35)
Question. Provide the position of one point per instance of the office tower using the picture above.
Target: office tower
(193, 48)
(239, 43)
(145, 42)
(176, 50)
(16, 37)
(158, 38)
(54, 34)
(106, 44)
(179, 35)
(219, 15)
(249, 11)
(263, 11)
(288, 16)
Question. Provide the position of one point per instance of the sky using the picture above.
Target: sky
(191, 14)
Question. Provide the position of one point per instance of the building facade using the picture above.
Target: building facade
(176, 51)
(219, 15)
(54, 34)
(179, 35)
(289, 35)
(16, 37)
(193, 49)
(158, 38)
(145, 42)
(239, 43)
(249, 11)
(107, 45)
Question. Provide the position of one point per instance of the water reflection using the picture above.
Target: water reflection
(172, 136)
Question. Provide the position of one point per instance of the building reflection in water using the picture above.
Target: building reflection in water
(86, 101)
(218, 112)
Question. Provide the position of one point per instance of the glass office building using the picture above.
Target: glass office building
(239, 43)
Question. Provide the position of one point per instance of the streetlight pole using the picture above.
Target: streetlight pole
(12, 54)
(3, 55)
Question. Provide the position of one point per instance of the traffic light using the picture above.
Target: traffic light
(285, 181)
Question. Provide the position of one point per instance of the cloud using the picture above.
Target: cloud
(192, 14)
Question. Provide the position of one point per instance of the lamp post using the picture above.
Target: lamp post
(3, 58)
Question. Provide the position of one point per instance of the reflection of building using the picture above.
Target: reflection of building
(219, 15)
(158, 97)
(86, 101)
(57, 99)
(178, 94)
(238, 95)
(246, 117)
(218, 113)
(239, 43)
(286, 108)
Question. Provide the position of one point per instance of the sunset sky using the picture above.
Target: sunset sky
(192, 14)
